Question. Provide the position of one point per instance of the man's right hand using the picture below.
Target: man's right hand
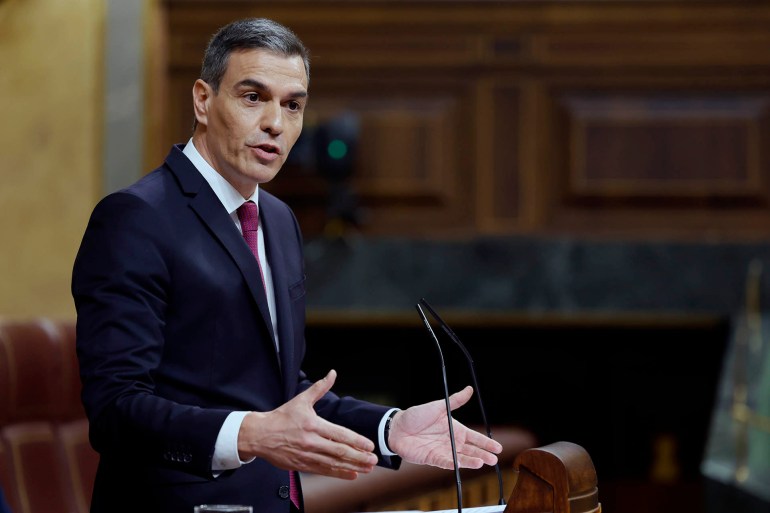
(294, 437)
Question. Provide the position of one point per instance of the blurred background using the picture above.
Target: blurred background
(580, 188)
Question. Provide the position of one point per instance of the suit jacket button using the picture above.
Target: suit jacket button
(283, 492)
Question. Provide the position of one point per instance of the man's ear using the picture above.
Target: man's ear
(202, 94)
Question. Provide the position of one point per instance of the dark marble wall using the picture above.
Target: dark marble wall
(532, 275)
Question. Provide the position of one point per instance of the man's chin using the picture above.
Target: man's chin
(265, 177)
(263, 173)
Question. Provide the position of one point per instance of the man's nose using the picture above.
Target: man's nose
(272, 118)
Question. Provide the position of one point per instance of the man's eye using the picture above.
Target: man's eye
(252, 97)
(294, 106)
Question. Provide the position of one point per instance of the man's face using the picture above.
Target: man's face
(247, 128)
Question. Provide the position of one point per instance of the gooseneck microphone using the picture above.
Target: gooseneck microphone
(448, 411)
(472, 368)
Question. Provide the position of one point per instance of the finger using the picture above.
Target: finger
(463, 460)
(346, 438)
(470, 462)
(332, 471)
(474, 438)
(365, 462)
(471, 451)
(444, 462)
(318, 462)
(318, 389)
(340, 474)
(460, 398)
(327, 456)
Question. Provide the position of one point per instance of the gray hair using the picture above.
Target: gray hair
(249, 34)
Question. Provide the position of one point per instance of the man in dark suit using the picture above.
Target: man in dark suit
(189, 287)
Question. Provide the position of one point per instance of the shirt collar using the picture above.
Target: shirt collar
(228, 196)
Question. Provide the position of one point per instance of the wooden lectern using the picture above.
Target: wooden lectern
(556, 478)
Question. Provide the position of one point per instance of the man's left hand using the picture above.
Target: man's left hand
(420, 435)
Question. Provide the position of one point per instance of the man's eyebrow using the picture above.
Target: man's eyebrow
(256, 84)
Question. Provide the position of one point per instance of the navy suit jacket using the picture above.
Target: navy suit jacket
(174, 333)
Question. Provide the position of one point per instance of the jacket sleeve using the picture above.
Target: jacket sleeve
(120, 284)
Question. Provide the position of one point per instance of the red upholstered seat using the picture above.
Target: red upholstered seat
(46, 464)
(34, 458)
(79, 460)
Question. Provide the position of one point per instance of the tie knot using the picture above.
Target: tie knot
(248, 215)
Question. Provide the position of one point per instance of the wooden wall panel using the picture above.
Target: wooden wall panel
(659, 48)
(685, 146)
(616, 118)
(503, 193)
(657, 163)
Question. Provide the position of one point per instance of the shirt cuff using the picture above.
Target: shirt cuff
(381, 434)
(226, 446)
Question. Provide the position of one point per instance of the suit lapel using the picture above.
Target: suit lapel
(282, 301)
(209, 209)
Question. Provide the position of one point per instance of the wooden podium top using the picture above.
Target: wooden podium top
(556, 478)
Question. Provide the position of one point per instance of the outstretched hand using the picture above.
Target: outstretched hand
(420, 435)
(294, 437)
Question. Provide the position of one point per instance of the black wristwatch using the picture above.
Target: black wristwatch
(386, 431)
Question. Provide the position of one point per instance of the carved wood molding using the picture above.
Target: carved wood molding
(622, 118)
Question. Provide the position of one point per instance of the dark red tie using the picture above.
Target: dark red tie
(248, 215)
(293, 488)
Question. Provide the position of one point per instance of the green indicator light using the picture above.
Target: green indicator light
(337, 149)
